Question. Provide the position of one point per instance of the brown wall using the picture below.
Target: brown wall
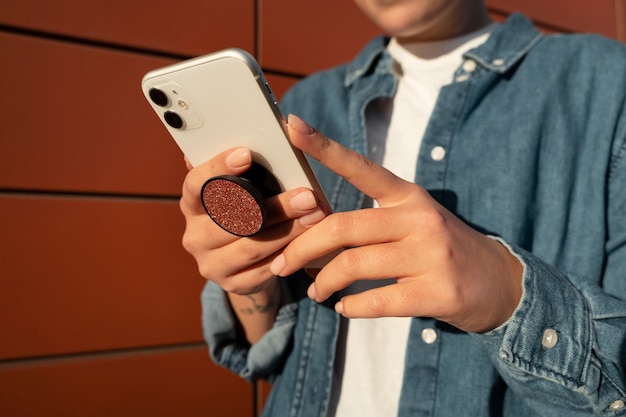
(99, 304)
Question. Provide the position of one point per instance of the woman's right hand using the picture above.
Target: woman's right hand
(241, 265)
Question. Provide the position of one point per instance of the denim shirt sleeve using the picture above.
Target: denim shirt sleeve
(565, 345)
(229, 349)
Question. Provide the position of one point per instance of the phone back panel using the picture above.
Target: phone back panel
(224, 101)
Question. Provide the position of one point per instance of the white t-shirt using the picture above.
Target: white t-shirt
(370, 354)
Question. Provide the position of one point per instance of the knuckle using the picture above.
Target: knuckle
(190, 206)
(339, 225)
(350, 263)
(194, 245)
(189, 186)
(377, 304)
(435, 218)
(442, 255)
(207, 271)
(196, 238)
(454, 296)
(190, 242)
(249, 252)
(443, 248)
(452, 300)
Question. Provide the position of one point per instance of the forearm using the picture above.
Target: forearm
(256, 312)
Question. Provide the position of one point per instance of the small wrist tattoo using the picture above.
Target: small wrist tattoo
(261, 308)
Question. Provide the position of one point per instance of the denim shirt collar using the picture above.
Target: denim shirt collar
(367, 59)
(508, 44)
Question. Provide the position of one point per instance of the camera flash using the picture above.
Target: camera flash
(182, 104)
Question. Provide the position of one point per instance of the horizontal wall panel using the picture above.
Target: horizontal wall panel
(303, 37)
(501, 17)
(597, 16)
(84, 274)
(74, 119)
(160, 384)
(621, 19)
(189, 27)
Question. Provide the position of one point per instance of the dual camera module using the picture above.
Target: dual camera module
(161, 99)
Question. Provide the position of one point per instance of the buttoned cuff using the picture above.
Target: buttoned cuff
(549, 334)
(545, 351)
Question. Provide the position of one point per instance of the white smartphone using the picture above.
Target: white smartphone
(218, 101)
(222, 100)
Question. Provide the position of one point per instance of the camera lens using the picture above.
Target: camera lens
(158, 97)
(173, 119)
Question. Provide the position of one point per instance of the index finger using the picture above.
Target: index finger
(369, 177)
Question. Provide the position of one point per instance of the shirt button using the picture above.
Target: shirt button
(550, 338)
(617, 405)
(469, 65)
(429, 336)
(498, 62)
(438, 153)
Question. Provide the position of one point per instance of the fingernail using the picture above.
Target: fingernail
(339, 307)
(238, 158)
(311, 293)
(313, 218)
(303, 201)
(299, 125)
(278, 264)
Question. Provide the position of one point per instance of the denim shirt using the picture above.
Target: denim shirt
(535, 155)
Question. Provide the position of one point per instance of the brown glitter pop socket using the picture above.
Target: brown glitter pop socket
(236, 204)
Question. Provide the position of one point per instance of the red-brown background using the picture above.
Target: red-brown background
(99, 304)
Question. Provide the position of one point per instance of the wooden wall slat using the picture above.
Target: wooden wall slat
(188, 27)
(302, 37)
(180, 382)
(598, 16)
(74, 119)
(620, 8)
(81, 274)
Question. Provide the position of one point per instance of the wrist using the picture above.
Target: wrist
(512, 272)
(256, 311)
(262, 301)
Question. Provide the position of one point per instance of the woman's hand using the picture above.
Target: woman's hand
(444, 268)
(241, 265)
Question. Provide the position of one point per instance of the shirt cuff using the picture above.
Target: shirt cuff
(549, 334)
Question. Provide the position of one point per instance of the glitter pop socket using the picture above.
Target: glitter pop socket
(237, 204)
